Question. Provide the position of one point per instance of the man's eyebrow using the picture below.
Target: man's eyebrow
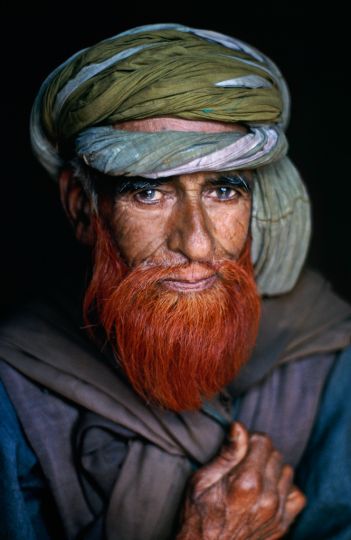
(136, 183)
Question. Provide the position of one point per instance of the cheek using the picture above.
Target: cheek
(137, 235)
(231, 226)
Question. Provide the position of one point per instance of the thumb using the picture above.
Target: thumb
(230, 454)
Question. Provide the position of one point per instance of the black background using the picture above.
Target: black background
(312, 53)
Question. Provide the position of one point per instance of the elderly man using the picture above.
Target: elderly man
(196, 366)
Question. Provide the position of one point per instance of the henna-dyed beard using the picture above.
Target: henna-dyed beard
(175, 348)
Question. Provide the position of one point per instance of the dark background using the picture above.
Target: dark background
(312, 53)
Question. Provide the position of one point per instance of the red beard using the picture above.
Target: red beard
(175, 348)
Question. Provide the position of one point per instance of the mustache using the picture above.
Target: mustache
(224, 269)
(203, 268)
(187, 270)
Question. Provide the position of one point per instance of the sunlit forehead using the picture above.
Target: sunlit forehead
(169, 123)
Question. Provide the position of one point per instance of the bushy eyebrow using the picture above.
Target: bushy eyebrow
(138, 183)
(235, 180)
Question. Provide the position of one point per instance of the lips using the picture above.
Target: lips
(190, 285)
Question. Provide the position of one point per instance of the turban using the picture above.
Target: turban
(175, 70)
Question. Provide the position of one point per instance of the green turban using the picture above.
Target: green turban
(173, 70)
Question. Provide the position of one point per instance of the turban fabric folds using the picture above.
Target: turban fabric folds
(174, 70)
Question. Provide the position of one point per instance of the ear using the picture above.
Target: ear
(77, 206)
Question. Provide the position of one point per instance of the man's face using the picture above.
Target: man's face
(190, 218)
(173, 283)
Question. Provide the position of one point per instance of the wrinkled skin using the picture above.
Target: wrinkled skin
(245, 493)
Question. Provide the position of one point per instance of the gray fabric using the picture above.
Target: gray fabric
(280, 226)
(285, 404)
(147, 494)
(309, 320)
(49, 423)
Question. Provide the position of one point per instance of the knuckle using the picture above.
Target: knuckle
(262, 439)
(301, 500)
(270, 503)
(296, 502)
(250, 482)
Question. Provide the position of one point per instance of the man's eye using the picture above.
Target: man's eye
(148, 196)
(223, 193)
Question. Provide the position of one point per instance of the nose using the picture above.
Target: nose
(190, 231)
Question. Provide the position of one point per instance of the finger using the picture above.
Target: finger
(230, 454)
(273, 471)
(238, 440)
(270, 500)
(258, 453)
(277, 490)
(285, 482)
(284, 487)
(247, 481)
(295, 502)
(232, 451)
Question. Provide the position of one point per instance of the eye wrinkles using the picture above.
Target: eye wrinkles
(177, 217)
(135, 184)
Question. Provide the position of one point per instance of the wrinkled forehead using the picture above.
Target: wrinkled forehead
(169, 123)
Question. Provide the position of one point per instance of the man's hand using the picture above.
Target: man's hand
(245, 493)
